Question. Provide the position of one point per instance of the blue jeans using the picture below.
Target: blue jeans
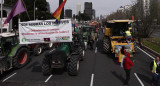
(128, 39)
(155, 79)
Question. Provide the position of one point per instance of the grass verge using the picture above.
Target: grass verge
(151, 45)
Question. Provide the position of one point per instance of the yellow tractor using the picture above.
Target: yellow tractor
(114, 37)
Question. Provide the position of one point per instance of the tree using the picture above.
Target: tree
(144, 20)
(117, 15)
(82, 16)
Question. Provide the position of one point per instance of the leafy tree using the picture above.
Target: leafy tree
(144, 22)
(117, 15)
(82, 16)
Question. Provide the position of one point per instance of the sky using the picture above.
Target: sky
(102, 7)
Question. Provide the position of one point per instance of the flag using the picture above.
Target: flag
(57, 13)
(133, 18)
(17, 9)
(76, 27)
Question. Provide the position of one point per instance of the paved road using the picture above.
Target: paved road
(98, 69)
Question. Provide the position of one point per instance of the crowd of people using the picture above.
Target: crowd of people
(126, 63)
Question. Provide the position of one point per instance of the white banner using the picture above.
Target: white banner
(4, 26)
(45, 31)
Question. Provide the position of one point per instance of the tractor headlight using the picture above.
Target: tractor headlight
(129, 50)
(116, 50)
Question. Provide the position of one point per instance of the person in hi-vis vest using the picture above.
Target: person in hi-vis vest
(155, 68)
(128, 35)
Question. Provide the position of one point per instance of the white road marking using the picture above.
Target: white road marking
(83, 52)
(96, 50)
(48, 78)
(92, 78)
(139, 79)
(52, 50)
(146, 53)
(97, 39)
(9, 77)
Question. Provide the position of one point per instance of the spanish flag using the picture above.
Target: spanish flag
(57, 13)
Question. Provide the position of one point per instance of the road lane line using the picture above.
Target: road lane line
(146, 53)
(9, 77)
(52, 50)
(92, 78)
(96, 50)
(139, 79)
(48, 78)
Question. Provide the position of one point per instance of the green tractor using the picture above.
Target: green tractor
(12, 54)
(66, 56)
(87, 32)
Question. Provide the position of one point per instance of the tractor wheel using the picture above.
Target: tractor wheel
(21, 58)
(81, 53)
(106, 45)
(49, 45)
(46, 67)
(37, 50)
(73, 65)
(4, 65)
(85, 44)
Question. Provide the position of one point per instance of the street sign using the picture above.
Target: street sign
(45, 31)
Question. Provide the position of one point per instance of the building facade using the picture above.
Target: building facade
(124, 8)
(93, 13)
(78, 9)
(68, 13)
(48, 7)
(88, 9)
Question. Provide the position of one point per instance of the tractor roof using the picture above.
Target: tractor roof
(7, 34)
(120, 21)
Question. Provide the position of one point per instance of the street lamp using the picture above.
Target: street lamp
(34, 9)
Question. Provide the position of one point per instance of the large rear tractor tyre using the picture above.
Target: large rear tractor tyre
(85, 44)
(81, 53)
(21, 58)
(37, 50)
(73, 66)
(107, 45)
(46, 67)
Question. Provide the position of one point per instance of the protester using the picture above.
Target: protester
(155, 68)
(122, 54)
(128, 36)
(91, 41)
(127, 63)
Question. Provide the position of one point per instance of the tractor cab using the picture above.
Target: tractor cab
(118, 27)
(86, 31)
(115, 37)
(7, 42)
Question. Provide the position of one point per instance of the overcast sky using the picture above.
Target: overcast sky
(103, 7)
